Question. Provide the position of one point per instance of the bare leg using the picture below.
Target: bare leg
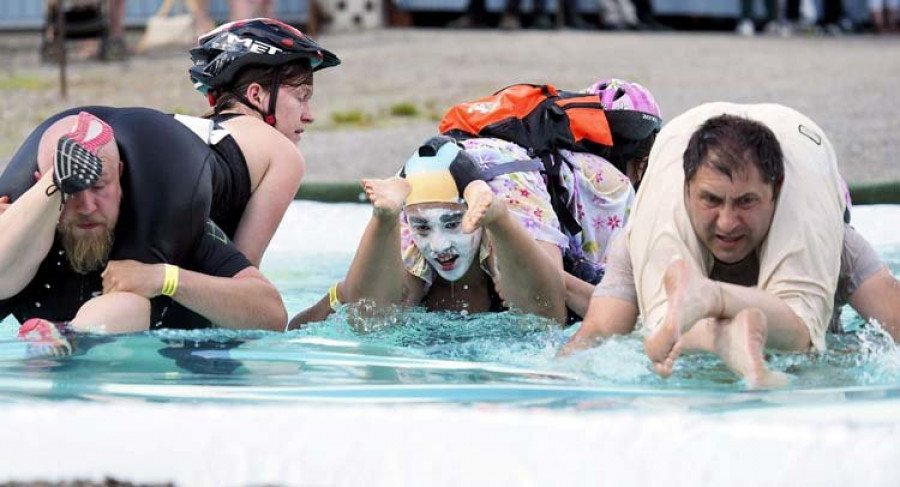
(786, 330)
(691, 298)
(739, 342)
(113, 313)
(109, 313)
(537, 287)
(377, 270)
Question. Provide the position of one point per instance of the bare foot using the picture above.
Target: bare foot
(484, 207)
(740, 345)
(387, 195)
(692, 298)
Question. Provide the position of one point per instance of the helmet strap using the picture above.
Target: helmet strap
(269, 116)
(243, 99)
(273, 97)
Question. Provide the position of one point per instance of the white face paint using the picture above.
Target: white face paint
(437, 233)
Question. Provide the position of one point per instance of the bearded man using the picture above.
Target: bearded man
(57, 237)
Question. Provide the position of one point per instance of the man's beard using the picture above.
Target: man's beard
(88, 252)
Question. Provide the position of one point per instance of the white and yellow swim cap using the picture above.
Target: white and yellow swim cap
(439, 172)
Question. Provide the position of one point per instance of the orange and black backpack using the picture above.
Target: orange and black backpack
(536, 117)
(542, 120)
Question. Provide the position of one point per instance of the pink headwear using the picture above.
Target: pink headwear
(90, 132)
(618, 94)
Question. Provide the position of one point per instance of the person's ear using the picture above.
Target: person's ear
(256, 95)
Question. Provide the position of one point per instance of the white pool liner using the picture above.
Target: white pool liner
(201, 445)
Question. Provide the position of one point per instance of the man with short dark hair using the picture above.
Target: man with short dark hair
(735, 196)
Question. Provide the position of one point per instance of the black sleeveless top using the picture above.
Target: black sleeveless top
(230, 176)
(231, 181)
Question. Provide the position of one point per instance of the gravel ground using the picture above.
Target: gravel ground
(847, 84)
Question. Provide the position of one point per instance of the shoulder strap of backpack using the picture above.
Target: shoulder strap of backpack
(558, 193)
(524, 165)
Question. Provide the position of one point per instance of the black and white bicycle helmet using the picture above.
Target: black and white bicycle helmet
(225, 51)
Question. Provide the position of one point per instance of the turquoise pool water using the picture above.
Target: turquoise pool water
(429, 358)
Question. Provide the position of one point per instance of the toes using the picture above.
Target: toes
(663, 369)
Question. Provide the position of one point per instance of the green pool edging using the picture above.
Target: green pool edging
(331, 192)
(878, 193)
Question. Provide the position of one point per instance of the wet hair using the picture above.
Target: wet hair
(292, 74)
(731, 144)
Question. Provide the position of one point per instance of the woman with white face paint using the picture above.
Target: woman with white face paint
(438, 235)
(470, 247)
(597, 192)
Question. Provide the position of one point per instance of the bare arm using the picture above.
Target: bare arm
(613, 308)
(413, 293)
(270, 199)
(537, 287)
(530, 273)
(606, 317)
(317, 312)
(377, 270)
(27, 228)
(245, 301)
(878, 298)
(578, 294)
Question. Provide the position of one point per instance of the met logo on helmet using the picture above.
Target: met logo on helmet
(261, 48)
(252, 45)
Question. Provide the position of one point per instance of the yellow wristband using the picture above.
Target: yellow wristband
(333, 297)
(170, 282)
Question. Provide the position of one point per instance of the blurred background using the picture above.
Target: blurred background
(406, 61)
